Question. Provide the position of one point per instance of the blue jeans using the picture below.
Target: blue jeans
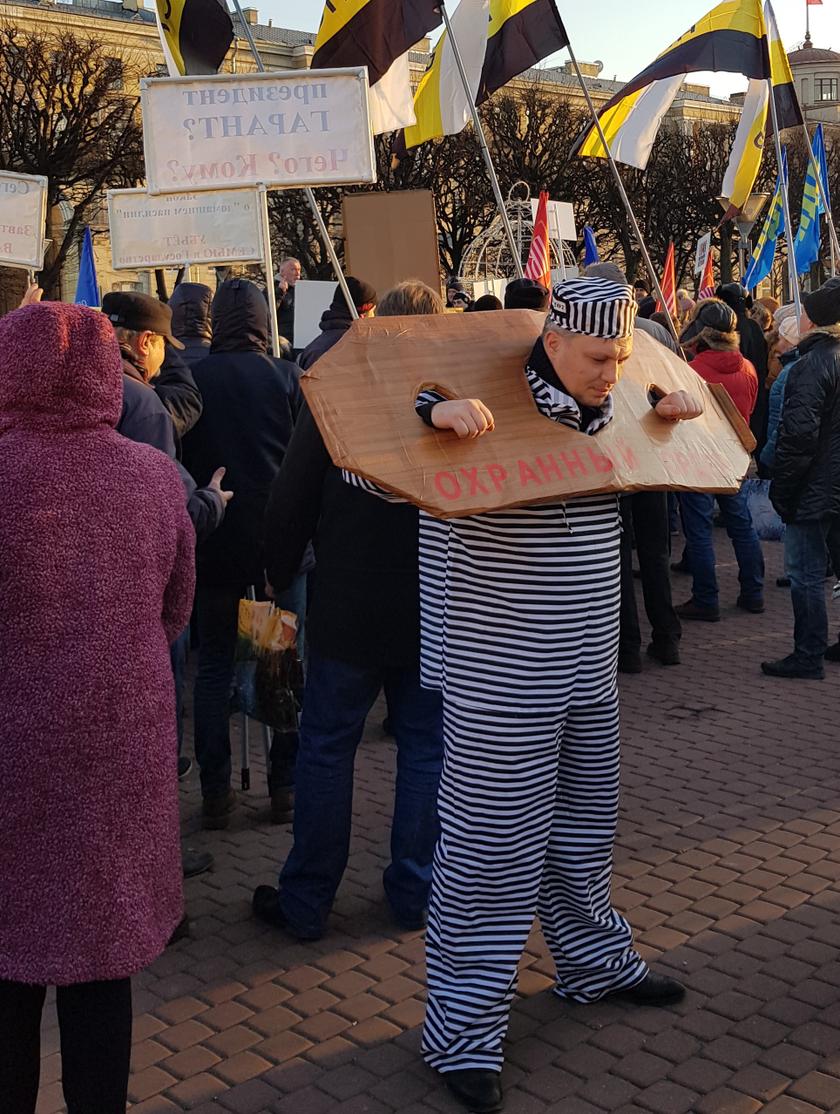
(805, 563)
(337, 700)
(218, 611)
(697, 516)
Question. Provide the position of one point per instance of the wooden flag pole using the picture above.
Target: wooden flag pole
(793, 278)
(310, 195)
(485, 150)
(623, 193)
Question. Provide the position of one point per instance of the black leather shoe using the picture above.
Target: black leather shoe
(653, 990)
(783, 582)
(833, 652)
(755, 607)
(681, 566)
(266, 907)
(629, 661)
(479, 1089)
(195, 862)
(692, 610)
(793, 667)
(666, 653)
(282, 805)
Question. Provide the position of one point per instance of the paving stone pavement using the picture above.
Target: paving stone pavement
(727, 865)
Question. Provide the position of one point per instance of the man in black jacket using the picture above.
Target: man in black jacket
(363, 632)
(190, 304)
(250, 404)
(806, 477)
(284, 290)
(336, 320)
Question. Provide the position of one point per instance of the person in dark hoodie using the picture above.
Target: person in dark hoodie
(753, 345)
(714, 336)
(250, 404)
(336, 320)
(363, 635)
(190, 304)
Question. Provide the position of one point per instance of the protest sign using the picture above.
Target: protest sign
(282, 129)
(168, 230)
(362, 395)
(391, 237)
(561, 219)
(23, 210)
(312, 297)
(704, 246)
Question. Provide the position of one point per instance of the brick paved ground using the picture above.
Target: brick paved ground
(726, 864)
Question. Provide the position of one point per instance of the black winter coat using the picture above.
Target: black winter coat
(250, 405)
(806, 470)
(176, 389)
(364, 606)
(190, 304)
(334, 324)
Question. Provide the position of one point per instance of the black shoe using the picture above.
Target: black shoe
(479, 1089)
(833, 652)
(629, 661)
(184, 766)
(680, 566)
(282, 805)
(407, 923)
(195, 862)
(216, 809)
(691, 610)
(666, 653)
(783, 582)
(266, 907)
(653, 990)
(755, 607)
(792, 666)
(181, 931)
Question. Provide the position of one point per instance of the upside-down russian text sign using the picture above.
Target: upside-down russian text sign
(171, 229)
(281, 129)
(23, 210)
(362, 395)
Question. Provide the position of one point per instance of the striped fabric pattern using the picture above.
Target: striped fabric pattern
(594, 306)
(538, 266)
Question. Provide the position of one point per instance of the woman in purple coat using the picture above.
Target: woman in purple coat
(96, 579)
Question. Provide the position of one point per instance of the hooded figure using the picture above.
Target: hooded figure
(190, 304)
(753, 346)
(96, 581)
(336, 320)
(251, 401)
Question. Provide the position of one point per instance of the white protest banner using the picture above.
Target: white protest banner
(171, 229)
(23, 210)
(704, 246)
(561, 219)
(282, 129)
(312, 297)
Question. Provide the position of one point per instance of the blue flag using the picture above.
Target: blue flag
(761, 263)
(807, 243)
(87, 288)
(591, 246)
(818, 147)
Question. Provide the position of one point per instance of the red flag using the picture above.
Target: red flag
(707, 282)
(808, 3)
(669, 283)
(538, 266)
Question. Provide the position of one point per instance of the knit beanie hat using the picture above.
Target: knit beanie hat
(525, 293)
(362, 293)
(594, 307)
(823, 305)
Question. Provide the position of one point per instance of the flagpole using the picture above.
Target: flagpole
(793, 277)
(485, 150)
(310, 195)
(834, 244)
(623, 193)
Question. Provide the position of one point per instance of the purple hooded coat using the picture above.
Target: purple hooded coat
(96, 579)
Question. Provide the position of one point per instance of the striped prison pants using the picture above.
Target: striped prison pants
(528, 807)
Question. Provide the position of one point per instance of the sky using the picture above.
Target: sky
(625, 36)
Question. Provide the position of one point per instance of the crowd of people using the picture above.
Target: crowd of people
(159, 465)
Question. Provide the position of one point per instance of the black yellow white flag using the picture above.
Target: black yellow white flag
(196, 34)
(377, 34)
(521, 33)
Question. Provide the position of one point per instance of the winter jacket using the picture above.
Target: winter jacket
(250, 405)
(806, 471)
(734, 372)
(145, 419)
(96, 581)
(334, 324)
(176, 389)
(364, 606)
(190, 304)
(286, 315)
(775, 407)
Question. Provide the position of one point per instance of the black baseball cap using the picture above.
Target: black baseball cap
(139, 312)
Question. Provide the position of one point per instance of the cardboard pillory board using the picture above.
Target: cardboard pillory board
(391, 237)
(362, 395)
(173, 229)
(23, 212)
(284, 130)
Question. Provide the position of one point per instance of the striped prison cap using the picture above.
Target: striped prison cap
(593, 306)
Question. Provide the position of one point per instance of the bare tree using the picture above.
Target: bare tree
(63, 114)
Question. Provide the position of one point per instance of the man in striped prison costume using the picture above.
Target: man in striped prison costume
(520, 631)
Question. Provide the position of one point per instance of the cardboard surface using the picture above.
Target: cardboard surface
(362, 395)
(391, 237)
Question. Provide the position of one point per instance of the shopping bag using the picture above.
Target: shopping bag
(268, 671)
(766, 521)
